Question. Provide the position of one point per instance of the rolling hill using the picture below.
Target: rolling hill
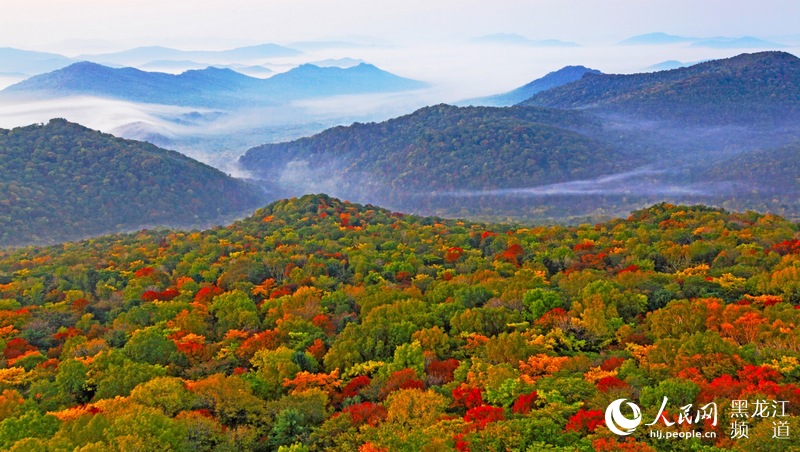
(758, 88)
(61, 181)
(210, 87)
(440, 149)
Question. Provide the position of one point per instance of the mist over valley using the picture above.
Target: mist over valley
(265, 112)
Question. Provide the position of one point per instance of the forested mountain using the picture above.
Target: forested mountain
(770, 170)
(309, 80)
(441, 149)
(605, 145)
(210, 87)
(560, 77)
(769, 178)
(758, 88)
(61, 181)
(318, 325)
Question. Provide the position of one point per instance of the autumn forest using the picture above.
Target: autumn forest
(318, 324)
(289, 249)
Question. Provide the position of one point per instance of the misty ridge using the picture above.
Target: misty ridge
(598, 146)
(641, 181)
(211, 87)
(573, 145)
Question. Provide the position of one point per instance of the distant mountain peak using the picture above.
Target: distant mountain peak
(82, 66)
(212, 86)
(657, 38)
(567, 74)
(142, 55)
(744, 42)
(760, 86)
(761, 59)
(517, 39)
(718, 42)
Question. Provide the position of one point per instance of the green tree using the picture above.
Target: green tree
(149, 345)
(538, 301)
(273, 367)
(234, 310)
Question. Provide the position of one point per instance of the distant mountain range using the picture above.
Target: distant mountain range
(657, 38)
(560, 77)
(666, 66)
(338, 62)
(26, 62)
(210, 87)
(719, 42)
(762, 87)
(61, 181)
(745, 42)
(602, 145)
(516, 39)
(142, 55)
(724, 132)
(174, 66)
(312, 46)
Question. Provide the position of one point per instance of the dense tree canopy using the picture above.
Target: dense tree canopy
(61, 181)
(317, 324)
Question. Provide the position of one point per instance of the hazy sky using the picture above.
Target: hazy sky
(46, 24)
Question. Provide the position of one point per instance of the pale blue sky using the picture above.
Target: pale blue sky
(39, 24)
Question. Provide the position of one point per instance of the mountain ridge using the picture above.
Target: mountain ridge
(13, 60)
(403, 161)
(481, 162)
(517, 39)
(766, 83)
(209, 87)
(567, 74)
(718, 42)
(62, 181)
(141, 55)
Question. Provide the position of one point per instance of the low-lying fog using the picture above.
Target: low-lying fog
(454, 72)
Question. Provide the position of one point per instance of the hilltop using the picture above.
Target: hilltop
(750, 88)
(61, 181)
(437, 150)
(567, 74)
